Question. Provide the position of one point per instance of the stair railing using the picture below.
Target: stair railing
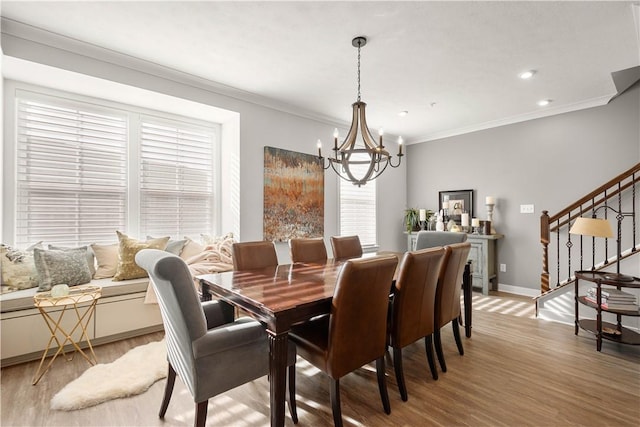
(617, 196)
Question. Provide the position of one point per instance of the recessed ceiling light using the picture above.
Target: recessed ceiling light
(544, 102)
(403, 113)
(526, 75)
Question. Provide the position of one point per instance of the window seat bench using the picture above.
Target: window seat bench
(120, 313)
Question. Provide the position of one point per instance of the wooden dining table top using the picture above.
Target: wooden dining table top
(283, 287)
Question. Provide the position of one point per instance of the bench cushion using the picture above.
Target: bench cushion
(23, 299)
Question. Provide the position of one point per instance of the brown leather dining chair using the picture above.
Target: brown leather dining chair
(345, 247)
(412, 307)
(308, 250)
(447, 307)
(253, 255)
(355, 331)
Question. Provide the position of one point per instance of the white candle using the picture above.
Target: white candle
(445, 204)
(464, 219)
(423, 214)
(475, 222)
(490, 200)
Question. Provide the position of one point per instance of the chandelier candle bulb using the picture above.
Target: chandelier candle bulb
(336, 134)
(380, 133)
(319, 148)
(399, 146)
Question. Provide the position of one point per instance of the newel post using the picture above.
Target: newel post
(545, 236)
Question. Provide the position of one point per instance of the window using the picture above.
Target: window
(176, 179)
(86, 170)
(358, 210)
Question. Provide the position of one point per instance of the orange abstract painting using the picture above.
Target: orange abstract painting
(293, 195)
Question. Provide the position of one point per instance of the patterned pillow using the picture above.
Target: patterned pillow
(107, 260)
(208, 240)
(61, 266)
(17, 268)
(91, 259)
(127, 250)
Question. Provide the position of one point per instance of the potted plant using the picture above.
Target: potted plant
(411, 220)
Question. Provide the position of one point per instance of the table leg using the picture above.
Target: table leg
(278, 376)
(467, 286)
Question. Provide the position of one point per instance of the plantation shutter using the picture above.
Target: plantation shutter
(71, 173)
(358, 209)
(176, 179)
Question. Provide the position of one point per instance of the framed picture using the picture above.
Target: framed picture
(456, 202)
(293, 195)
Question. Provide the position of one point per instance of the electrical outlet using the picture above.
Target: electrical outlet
(526, 209)
(503, 268)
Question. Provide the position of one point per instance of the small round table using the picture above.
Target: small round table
(81, 301)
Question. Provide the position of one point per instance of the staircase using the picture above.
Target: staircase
(564, 253)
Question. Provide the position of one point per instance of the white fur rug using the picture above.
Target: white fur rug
(129, 375)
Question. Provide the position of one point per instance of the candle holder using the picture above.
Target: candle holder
(490, 207)
(475, 225)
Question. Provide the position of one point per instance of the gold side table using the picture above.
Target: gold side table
(75, 302)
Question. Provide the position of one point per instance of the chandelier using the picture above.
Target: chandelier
(359, 159)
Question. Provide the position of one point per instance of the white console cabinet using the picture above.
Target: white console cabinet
(483, 257)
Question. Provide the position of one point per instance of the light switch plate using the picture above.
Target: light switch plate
(526, 209)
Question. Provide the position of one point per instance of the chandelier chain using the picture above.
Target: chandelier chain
(359, 71)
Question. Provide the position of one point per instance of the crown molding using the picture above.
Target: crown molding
(544, 112)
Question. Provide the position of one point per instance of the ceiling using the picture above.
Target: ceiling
(452, 65)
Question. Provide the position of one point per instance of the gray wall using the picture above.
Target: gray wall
(548, 162)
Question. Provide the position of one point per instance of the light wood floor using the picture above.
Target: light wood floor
(516, 371)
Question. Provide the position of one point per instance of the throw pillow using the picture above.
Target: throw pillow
(107, 260)
(127, 250)
(91, 259)
(56, 267)
(17, 268)
(215, 240)
(191, 248)
(173, 246)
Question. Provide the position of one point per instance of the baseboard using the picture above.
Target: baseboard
(518, 290)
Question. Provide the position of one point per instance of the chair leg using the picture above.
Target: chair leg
(382, 385)
(334, 391)
(201, 414)
(438, 345)
(291, 397)
(397, 366)
(456, 335)
(168, 390)
(428, 346)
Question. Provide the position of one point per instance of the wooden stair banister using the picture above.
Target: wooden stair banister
(618, 187)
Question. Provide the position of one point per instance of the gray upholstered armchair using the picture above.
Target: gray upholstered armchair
(432, 239)
(210, 351)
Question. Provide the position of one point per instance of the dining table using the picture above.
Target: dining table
(281, 296)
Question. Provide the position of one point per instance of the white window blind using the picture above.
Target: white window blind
(71, 173)
(358, 209)
(176, 179)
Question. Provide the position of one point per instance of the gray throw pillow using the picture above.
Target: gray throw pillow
(56, 267)
(91, 259)
(174, 246)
